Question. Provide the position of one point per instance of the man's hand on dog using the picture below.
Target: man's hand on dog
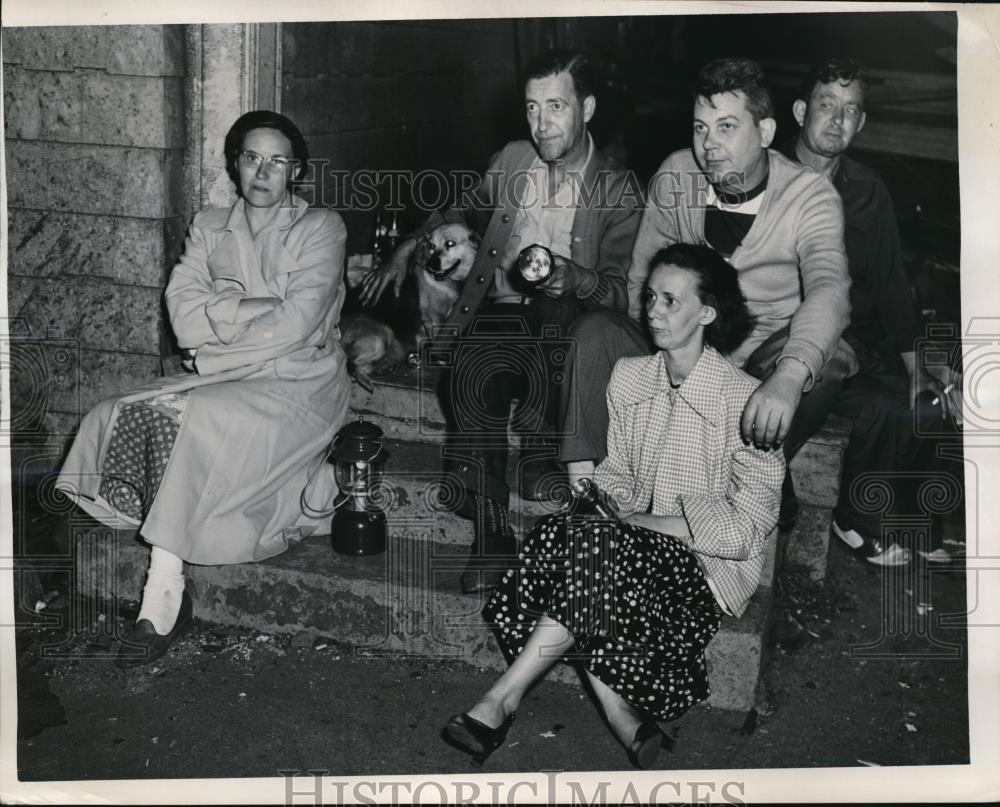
(566, 277)
(392, 272)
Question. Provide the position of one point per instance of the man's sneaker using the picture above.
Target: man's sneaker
(893, 555)
(850, 537)
(872, 549)
(939, 555)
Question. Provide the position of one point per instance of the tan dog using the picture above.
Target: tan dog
(441, 262)
(366, 341)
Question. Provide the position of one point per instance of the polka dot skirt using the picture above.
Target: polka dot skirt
(636, 601)
(138, 451)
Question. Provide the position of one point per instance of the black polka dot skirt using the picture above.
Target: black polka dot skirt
(636, 601)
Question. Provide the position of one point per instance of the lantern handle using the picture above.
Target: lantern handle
(307, 508)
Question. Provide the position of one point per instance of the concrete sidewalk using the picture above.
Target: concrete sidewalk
(227, 702)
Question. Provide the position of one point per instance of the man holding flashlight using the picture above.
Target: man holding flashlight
(507, 338)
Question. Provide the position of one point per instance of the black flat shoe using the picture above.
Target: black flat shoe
(475, 737)
(144, 644)
(646, 744)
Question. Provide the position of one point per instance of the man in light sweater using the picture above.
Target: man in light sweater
(781, 225)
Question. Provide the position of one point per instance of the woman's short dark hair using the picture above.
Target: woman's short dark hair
(736, 75)
(718, 287)
(264, 119)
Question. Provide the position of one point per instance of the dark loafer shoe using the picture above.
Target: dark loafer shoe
(646, 744)
(144, 644)
(474, 737)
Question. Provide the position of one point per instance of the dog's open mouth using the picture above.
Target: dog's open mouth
(444, 274)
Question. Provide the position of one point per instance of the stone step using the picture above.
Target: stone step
(412, 491)
(807, 545)
(405, 601)
(404, 404)
(416, 499)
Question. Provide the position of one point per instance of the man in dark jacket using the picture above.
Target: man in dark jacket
(510, 338)
(879, 399)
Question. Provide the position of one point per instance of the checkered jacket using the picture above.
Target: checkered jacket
(678, 452)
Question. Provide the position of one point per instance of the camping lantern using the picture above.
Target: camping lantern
(359, 525)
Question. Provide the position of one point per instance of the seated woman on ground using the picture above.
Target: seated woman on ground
(211, 466)
(638, 599)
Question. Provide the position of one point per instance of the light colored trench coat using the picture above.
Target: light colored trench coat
(270, 393)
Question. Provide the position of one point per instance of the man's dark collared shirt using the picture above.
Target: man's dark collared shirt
(881, 302)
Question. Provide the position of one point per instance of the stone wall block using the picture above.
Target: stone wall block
(61, 424)
(139, 253)
(141, 315)
(19, 290)
(131, 110)
(147, 50)
(135, 50)
(133, 369)
(77, 308)
(107, 373)
(56, 48)
(174, 232)
(45, 244)
(41, 105)
(92, 179)
(126, 250)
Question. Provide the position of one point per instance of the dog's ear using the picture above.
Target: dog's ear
(475, 239)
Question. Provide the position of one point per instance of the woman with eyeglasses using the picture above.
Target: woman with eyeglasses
(219, 465)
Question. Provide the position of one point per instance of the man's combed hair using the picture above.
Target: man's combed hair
(559, 60)
(842, 70)
(718, 287)
(736, 75)
(264, 119)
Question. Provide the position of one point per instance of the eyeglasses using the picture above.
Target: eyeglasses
(273, 163)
